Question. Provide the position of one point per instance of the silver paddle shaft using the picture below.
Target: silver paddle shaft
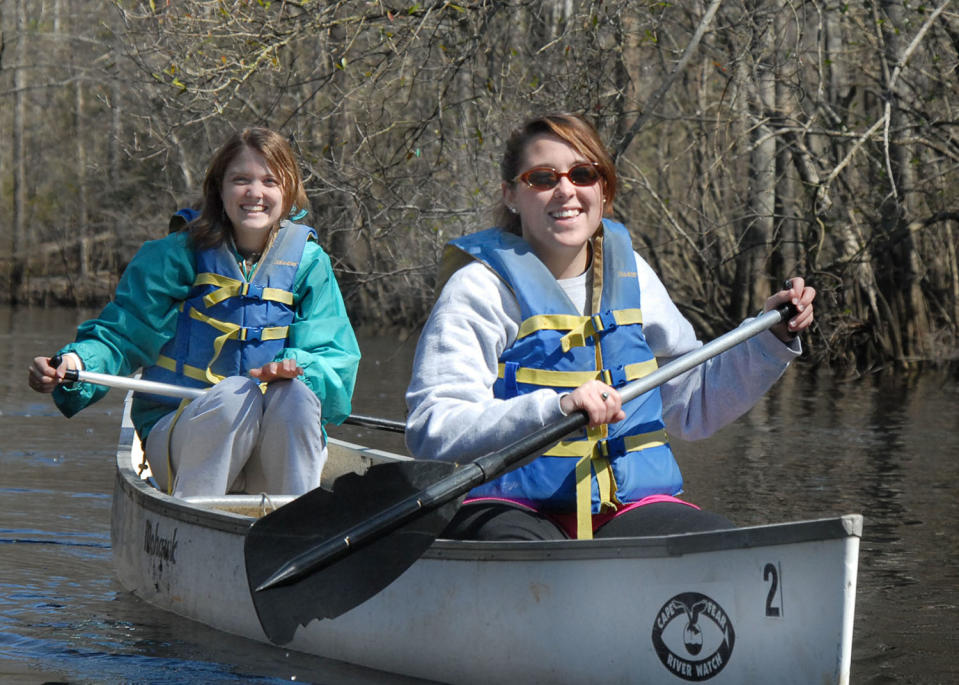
(136, 384)
(157, 388)
(696, 357)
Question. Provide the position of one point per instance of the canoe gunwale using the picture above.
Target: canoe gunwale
(848, 525)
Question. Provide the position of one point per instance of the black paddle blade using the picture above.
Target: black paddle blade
(322, 514)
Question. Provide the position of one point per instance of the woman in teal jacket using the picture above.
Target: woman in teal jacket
(240, 300)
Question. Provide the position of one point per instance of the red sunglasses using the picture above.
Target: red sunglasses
(545, 178)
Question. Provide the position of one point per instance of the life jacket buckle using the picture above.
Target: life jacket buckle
(613, 448)
(604, 321)
(253, 291)
(511, 386)
(615, 376)
(251, 333)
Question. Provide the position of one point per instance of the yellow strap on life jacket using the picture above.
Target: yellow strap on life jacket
(585, 448)
(573, 379)
(592, 454)
(193, 372)
(169, 440)
(579, 327)
(230, 331)
(230, 287)
(550, 322)
(605, 481)
(593, 325)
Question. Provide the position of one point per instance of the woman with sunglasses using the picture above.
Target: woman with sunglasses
(239, 296)
(551, 312)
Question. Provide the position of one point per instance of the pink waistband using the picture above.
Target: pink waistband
(568, 521)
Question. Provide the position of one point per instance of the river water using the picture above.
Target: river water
(884, 446)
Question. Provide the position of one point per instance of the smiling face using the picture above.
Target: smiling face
(252, 197)
(557, 223)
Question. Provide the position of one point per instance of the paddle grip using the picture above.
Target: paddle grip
(70, 375)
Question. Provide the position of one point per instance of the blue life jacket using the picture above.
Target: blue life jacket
(557, 347)
(228, 325)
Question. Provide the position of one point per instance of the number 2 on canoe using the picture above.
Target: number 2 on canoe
(772, 574)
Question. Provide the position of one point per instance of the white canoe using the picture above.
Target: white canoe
(769, 603)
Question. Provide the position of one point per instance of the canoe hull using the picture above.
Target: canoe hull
(761, 604)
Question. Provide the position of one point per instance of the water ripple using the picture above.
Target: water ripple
(45, 537)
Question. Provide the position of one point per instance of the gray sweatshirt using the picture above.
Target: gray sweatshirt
(452, 412)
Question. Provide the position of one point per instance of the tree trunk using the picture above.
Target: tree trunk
(20, 255)
(82, 216)
(751, 285)
(899, 246)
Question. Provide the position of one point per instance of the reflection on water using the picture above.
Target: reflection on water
(886, 447)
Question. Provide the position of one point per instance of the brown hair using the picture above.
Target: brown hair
(212, 226)
(575, 130)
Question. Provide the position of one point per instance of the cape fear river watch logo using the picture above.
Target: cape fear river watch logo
(693, 636)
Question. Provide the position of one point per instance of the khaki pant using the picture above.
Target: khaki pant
(236, 438)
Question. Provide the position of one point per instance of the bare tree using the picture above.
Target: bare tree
(19, 168)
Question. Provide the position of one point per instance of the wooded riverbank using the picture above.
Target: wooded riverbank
(752, 140)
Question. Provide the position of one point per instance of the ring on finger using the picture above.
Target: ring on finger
(604, 395)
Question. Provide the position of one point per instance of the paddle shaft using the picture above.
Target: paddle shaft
(489, 466)
(157, 388)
